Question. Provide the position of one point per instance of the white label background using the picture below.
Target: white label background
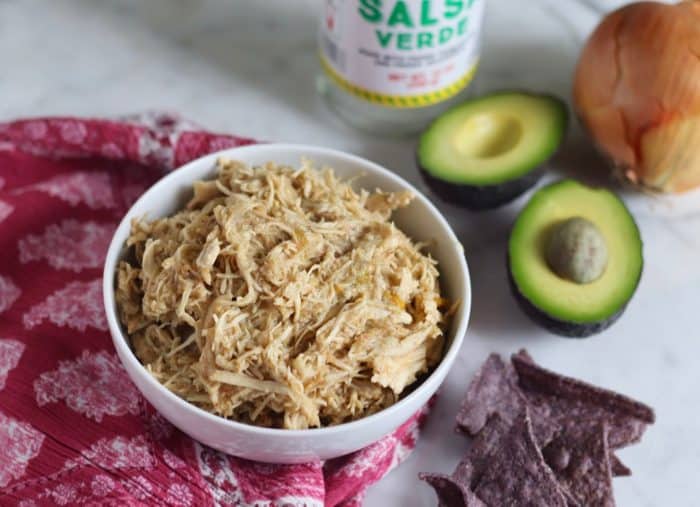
(350, 46)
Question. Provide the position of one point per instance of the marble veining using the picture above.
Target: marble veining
(249, 68)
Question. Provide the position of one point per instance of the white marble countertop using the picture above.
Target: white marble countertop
(248, 67)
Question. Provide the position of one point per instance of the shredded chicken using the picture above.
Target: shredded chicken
(282, 298)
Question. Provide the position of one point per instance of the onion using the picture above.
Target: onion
(637, 92)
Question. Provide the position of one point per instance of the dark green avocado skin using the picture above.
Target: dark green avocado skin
(559, 327)
(479, 198)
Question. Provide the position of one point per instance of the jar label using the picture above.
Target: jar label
(401, 53)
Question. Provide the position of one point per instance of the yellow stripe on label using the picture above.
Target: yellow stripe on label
(400, 101)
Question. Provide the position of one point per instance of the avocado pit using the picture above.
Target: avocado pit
(577, 251)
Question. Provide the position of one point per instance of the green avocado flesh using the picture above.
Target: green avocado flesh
(493, 139)
(560, 298)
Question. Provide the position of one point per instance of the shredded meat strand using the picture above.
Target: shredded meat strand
(282, 297)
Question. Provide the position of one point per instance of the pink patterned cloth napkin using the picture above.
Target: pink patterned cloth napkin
(73, 428)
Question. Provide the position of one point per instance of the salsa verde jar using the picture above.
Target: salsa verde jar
(390, 66)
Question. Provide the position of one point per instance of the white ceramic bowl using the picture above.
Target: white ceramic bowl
(421, 221)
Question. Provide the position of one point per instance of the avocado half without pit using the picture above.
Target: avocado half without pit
(574, 258)
(487, 151)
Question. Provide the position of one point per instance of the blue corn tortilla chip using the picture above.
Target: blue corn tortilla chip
(456, 490)
(451, 492)
(540, 439)
(618, 468)
(557, 457)
(472, 466)
(517, 474)
(494, 444)
(576, 407)
(587, 476)
(495, 390)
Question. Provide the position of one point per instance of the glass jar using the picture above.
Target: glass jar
(391, 66)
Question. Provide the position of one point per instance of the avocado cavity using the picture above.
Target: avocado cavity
(577, 251)
(488, 135)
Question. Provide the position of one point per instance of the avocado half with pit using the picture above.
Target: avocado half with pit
(574, 258)
(489, 150)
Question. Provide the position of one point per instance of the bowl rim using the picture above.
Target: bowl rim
(120, 339)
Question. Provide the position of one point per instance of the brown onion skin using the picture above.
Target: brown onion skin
(637, 93)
